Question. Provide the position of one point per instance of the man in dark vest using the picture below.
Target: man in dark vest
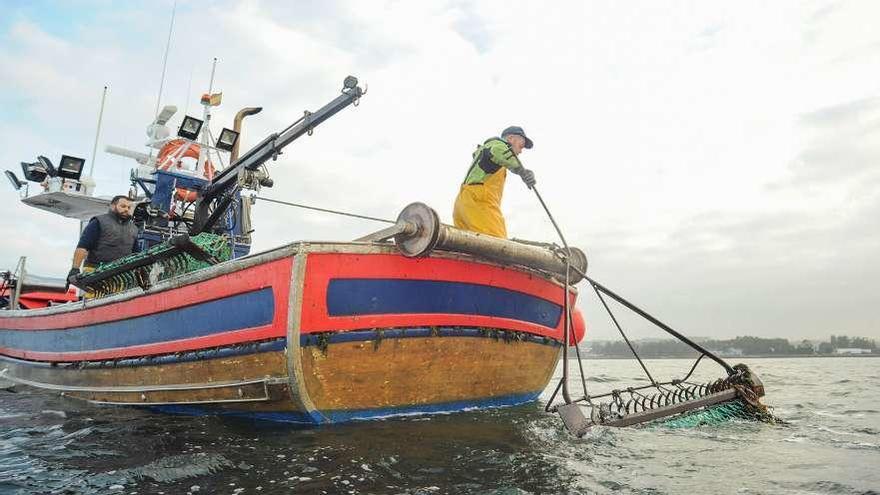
(106, 238)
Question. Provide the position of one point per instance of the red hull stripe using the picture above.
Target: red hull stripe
(275, 274)
(323, 268)
(271, 279)
(247, 310)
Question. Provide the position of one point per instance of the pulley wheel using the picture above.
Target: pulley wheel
(427, 224)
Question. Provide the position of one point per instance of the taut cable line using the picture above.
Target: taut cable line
(325, 210)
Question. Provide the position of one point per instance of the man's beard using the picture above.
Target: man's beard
(122, 216)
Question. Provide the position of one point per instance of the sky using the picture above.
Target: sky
(718, 162)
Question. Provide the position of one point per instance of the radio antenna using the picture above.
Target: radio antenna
(165, 59)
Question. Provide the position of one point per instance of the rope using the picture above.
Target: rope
(626, 339)
(565, 307)
(325, 210)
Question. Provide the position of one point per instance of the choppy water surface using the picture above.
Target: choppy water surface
(831, 445)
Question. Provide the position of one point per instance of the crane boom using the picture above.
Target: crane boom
(215, 200)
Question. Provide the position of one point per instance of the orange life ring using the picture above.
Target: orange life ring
(185, 195)
(168, 158)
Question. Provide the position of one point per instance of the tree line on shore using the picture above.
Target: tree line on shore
(739, 346)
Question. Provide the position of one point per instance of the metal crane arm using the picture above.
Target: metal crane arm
(269, 148)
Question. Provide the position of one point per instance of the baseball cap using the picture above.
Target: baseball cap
(518, 131)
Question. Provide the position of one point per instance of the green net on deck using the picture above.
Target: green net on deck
(163, 268)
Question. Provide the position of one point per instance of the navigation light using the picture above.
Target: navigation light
(227, 139)
(34, 172)
(47, 166)
(70, 167)
(190, 128)
(14, 180)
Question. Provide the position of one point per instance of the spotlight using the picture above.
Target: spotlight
(47, 165)
(34, 172)
(350, 82)
(14, 180)
(70, 167)
(190, 128)
(227, 139)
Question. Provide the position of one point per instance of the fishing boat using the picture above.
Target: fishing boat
(18, 288)
(418, 317)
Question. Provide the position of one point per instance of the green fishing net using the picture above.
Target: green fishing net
(713, 415)
(216, 245)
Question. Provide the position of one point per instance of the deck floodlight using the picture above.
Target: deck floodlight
(190, 128)
(34, 172)
(350, 82)
(70, 167)
(14, 180)
(47, 165)
(227, 139)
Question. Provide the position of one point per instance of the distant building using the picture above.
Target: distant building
(851, 350)
(731, 352)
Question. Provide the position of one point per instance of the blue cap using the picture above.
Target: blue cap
(518, 131)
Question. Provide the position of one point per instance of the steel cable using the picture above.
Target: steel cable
(325, 210)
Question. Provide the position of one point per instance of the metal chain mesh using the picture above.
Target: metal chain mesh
(216, 245)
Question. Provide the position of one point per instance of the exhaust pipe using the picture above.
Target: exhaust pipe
(236, 126)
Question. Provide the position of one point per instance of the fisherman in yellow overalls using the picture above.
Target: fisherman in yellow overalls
(478, 205)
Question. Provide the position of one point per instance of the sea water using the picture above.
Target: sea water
(830, 443)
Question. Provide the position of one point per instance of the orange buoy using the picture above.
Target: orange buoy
(578, 327)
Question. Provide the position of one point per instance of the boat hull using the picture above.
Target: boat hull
(429, 370)
(307, 333)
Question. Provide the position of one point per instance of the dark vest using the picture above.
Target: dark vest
(116, 239)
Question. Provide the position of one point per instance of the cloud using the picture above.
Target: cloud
(717, 165)
(842, 144)
(847, 113)
(472, 27)
(723, 273)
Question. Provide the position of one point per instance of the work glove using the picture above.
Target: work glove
(528, 177)
(71, 278)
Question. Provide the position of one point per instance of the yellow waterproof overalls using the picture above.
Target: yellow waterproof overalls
(478, 205)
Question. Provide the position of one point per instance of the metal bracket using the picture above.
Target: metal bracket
(416, 232)
(387, 233)
(574, 420)
(16, 293)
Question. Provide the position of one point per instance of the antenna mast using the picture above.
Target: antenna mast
(206, 118)
(97, 133)
(165, 59)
